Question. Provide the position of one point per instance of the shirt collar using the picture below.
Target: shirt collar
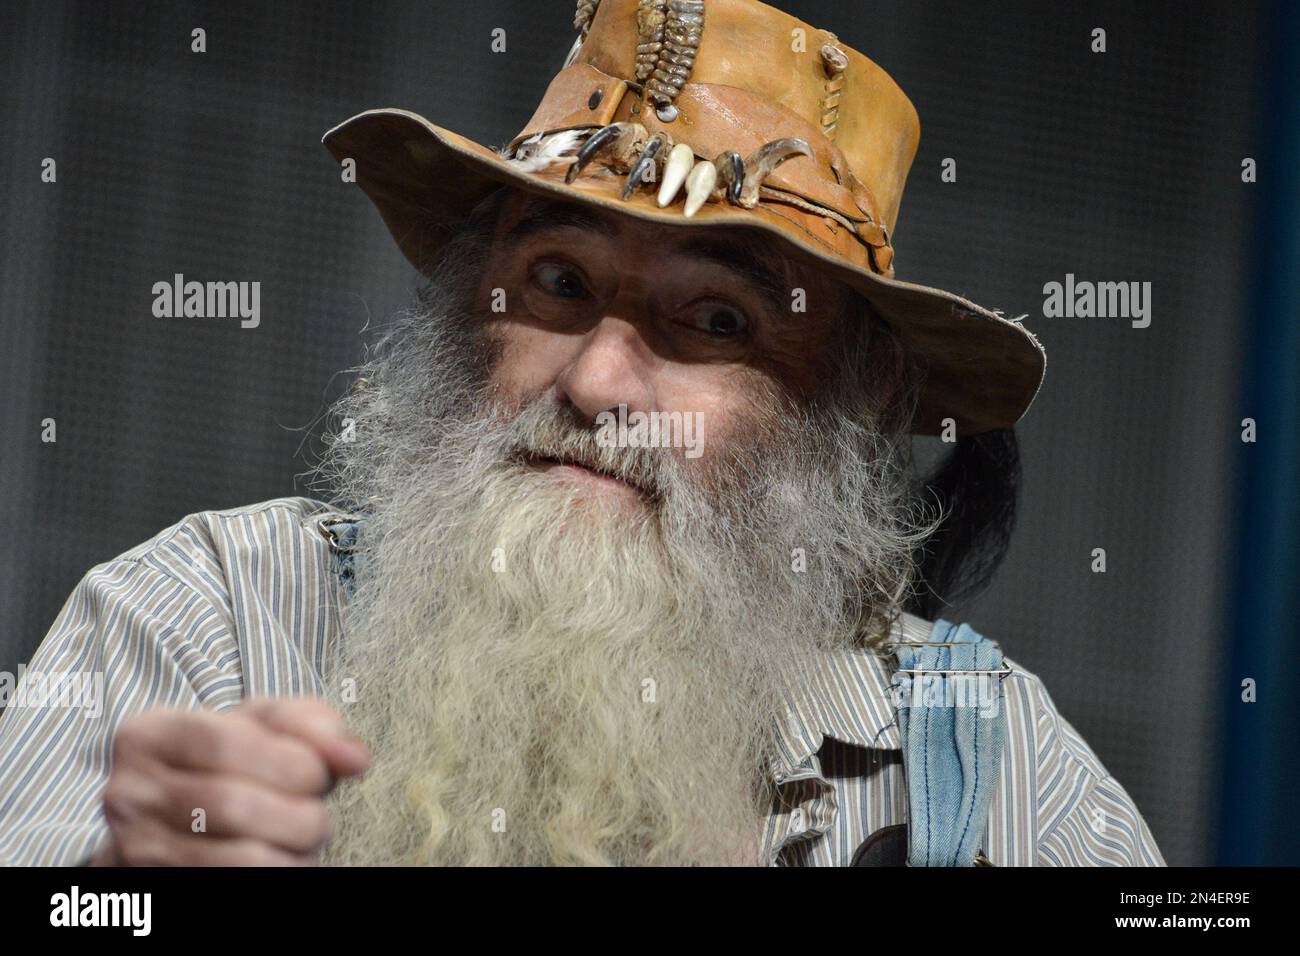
(847, 697)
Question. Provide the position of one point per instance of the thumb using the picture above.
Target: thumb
(318, 725)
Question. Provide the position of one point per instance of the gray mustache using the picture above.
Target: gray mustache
(552, 433)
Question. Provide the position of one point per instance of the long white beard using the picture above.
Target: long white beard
(545, 681)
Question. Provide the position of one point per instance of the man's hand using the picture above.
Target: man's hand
(241, 788)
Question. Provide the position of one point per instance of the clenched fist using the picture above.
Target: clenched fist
(256, 777)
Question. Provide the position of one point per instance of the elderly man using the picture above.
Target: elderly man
(623, 537)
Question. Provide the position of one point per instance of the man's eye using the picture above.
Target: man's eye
(717, 319)
(559, 280)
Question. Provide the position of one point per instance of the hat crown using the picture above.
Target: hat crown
(757, 74)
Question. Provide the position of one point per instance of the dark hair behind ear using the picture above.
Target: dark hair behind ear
(976, 486)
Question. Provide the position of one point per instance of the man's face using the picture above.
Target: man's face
(595, 310)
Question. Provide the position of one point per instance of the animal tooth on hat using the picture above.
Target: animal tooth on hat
(648, 159)
(623, 140)
(763, 160)
(679, 164)
(699, 185)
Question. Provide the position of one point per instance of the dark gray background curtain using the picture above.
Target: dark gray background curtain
(1123, 166)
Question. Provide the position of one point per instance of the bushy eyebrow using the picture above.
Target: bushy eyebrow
(752, 260)
(543, 215)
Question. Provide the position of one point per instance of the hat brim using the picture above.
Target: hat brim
(981, 370)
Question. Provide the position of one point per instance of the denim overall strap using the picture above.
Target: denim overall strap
(342, 535)
(953, 726)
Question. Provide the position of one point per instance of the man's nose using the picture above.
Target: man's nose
(613, 366)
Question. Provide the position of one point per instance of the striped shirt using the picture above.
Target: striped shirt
(232, 604)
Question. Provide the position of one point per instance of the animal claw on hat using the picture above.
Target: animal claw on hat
(624, 140)
(648, 159)
(763, 160)
(731, 174)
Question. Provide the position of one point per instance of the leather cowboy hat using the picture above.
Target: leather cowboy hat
(718, 113)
